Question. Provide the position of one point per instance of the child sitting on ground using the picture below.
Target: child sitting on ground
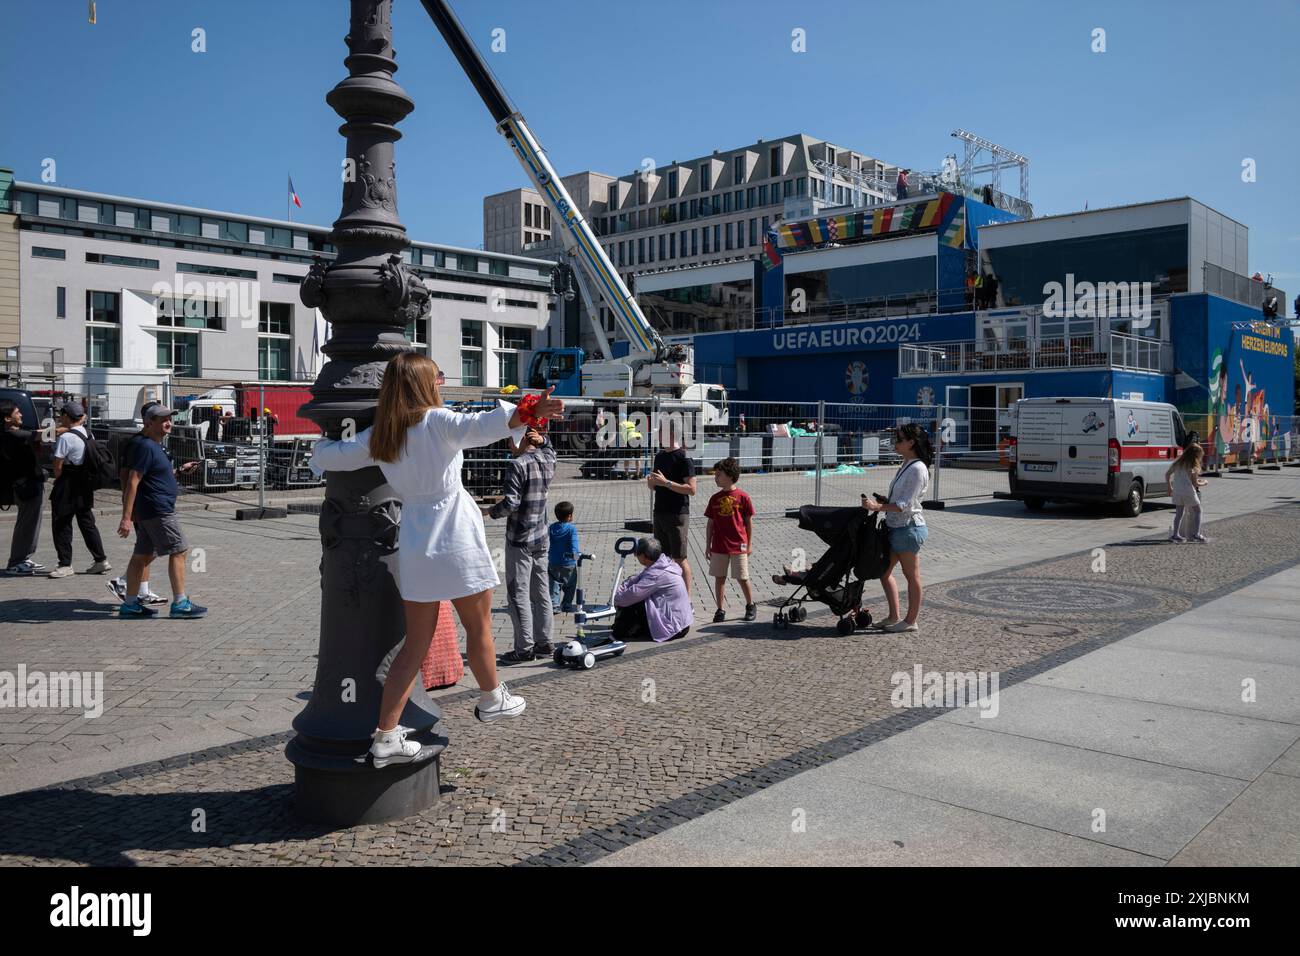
(729, 537)
(563, 559)
(1184, 478)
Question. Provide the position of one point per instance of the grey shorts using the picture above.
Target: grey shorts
(670, 530)
(159, 536)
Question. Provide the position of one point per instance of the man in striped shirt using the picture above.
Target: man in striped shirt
(528, 588)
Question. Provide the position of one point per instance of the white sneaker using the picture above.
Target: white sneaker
(391, 746)
(99, 567)
(900, 627)
(887, 622)
(506, 704)
(63, 571)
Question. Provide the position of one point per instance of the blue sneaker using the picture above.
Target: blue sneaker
(187, 608)
(135, 609)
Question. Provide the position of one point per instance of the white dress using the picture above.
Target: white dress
(442, 549)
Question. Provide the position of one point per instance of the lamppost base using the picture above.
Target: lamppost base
(350, 797)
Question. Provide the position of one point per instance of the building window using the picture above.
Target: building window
(179, 351)
(103, 307)
(546, 217)
(275, 318)
(61, 302)
(663, 245)
(499, 267)
(508, 369)
(45, 252)
(281, 277)
(471, 354)
(695, 243)
(417, 332)
(467, 263)
(730, 235)
(102, 349)
(640, 251)
(706, 240)
(612, 196)
(801, 186)
(620, 252)
(215, 271)
(273, 359)
(514, 337)
(706, 178)
(681, 210)
(191, 313)
(717, 238)
(762, 195)
(774, 161)
(726, 202)
(672, 184)
(672, 245)
(789, 188)
(695, 208)
(738, 170)
(753, 232)
(650, 248)
(642, 191)
(97, 258)
(528, 214)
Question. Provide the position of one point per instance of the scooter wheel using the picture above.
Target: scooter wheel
(558, 657)
(844, 626)
(588, 660)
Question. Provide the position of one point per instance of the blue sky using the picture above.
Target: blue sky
(1185, 90)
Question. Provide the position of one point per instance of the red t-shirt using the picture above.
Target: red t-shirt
(729, 509)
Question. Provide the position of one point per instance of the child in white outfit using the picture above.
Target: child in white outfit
(1184, 478)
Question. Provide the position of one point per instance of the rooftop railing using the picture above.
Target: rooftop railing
(1092, 350)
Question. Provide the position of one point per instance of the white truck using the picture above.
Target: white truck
(1104, 450)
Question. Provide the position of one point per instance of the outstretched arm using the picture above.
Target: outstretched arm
(350, 454)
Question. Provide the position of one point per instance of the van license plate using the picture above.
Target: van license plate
(1040, 466)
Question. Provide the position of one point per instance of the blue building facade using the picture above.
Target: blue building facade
(1142, 302)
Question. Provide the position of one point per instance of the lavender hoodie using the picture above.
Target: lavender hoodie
(667, 605)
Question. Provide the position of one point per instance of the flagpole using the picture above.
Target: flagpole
(288, 202)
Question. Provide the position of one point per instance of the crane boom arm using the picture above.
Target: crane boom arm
(576, 231)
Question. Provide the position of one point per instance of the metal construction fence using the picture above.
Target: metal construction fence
(246, 445)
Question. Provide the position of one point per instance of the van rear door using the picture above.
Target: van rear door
(1147, 443)
(1086, 428)
(1038, 442)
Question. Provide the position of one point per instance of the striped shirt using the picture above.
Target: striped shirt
(524, 497)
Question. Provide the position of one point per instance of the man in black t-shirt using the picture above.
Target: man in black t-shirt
(673, 481)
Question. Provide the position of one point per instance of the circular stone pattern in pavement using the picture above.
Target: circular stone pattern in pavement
(1053, 597)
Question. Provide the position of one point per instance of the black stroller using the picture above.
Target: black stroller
(858, 553)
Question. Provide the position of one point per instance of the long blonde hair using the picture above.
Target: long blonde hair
(1191, 458)
(409, 390)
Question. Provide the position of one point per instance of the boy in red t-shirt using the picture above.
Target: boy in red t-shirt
(729, 537)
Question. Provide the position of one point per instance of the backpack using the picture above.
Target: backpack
(97, 469)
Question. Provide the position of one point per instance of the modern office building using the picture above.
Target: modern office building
(709, 209)
(109, 287)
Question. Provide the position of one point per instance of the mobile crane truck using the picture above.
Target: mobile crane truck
(652, 368)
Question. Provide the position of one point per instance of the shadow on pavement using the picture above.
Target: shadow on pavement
(42, 610)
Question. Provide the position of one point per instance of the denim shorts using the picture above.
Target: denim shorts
(908, 538)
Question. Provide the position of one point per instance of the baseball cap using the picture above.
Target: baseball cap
(157, 410)
(73, 410)
(144, 409)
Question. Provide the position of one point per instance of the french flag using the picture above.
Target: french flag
(293, 194)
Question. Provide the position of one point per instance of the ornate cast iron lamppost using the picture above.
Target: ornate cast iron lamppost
(369, 297)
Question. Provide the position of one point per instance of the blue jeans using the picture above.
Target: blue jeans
(564, 580)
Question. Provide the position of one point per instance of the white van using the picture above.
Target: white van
(1093, 449)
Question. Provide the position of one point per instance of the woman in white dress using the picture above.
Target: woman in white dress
(443, 553)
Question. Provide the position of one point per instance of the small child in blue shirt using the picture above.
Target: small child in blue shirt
(563, 559)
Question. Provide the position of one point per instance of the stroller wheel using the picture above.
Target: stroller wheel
(862, 618)
(803, 613)
(778, 621)
(844, 626)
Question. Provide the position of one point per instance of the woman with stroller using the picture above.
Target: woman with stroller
(906, 523)
(444, 555)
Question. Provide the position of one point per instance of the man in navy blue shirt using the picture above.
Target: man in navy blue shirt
(149, 500)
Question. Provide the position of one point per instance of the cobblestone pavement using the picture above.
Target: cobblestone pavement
(173, 687)
(607, 757)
